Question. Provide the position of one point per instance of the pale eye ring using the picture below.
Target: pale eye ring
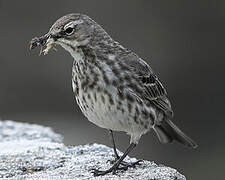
(69, 31)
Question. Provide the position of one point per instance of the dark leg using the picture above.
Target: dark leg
(116, 165)
(117, 157)
(114, 144)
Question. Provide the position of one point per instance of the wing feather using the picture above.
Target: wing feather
(153, 89)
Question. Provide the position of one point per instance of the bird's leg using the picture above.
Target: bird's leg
(117, 157)
(116, 167)
(114, 144)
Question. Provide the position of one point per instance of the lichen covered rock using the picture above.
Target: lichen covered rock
(36, 152)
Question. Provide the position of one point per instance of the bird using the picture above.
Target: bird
(114, 88)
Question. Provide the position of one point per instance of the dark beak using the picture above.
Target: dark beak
(41, 41)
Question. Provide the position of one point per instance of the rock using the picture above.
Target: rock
(36, 152)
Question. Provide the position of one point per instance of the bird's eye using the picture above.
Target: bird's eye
(69, 30)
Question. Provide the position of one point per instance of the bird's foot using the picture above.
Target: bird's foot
(122, 166)
(124, 163)
(113, 169)
(97, 172)
(113, 161)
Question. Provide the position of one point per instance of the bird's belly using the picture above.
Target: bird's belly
(100, 111)
(105, 107)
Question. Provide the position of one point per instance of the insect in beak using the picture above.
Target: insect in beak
(43, 41)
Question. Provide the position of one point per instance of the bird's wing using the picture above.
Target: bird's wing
(153, 89)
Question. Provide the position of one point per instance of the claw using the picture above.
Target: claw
(116, 167)
(97, 172)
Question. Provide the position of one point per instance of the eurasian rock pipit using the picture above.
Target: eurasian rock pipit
(114, 88)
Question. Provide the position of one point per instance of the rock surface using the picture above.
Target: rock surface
(36, 152)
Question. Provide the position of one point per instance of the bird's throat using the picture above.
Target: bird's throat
(77, 55)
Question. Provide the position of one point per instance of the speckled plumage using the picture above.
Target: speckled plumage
(114, 88)
(109, 96)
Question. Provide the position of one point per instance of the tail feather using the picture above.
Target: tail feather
(163, 136)
(167, 131)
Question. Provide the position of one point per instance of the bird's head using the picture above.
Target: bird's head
(70, 32)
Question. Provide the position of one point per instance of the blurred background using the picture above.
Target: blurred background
(183, 41)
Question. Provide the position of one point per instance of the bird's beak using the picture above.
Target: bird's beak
(41, 41)
(47, 41)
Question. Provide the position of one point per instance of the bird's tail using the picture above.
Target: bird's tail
(167, 131)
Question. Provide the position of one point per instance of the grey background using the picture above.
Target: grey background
(183, 41)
